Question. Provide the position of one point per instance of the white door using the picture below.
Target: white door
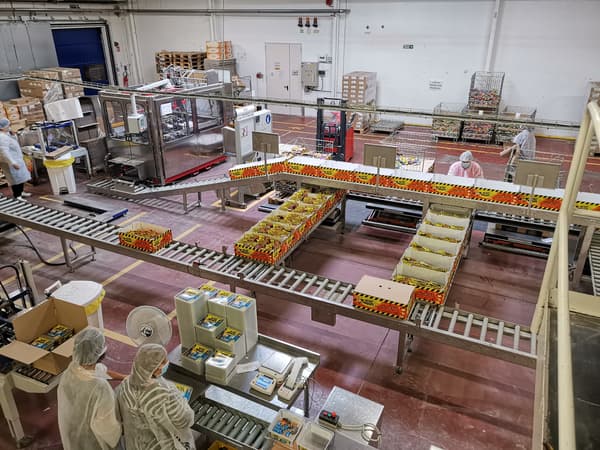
(283, 62)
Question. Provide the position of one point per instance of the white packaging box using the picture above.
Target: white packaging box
(434, 243)
(217, 305)
(422, 273)
(241, 315)
(208, 329)
(195, 358)
(232, 341)
(219, 368)
(441, 231)
(190, 305)
(441, 261)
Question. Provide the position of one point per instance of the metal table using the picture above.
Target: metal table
(240, 383)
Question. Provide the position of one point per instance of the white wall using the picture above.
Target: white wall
(547, 48)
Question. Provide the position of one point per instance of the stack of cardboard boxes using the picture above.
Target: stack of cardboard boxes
(69, 74)
(29, 111)
(360, 88)
(218, 50)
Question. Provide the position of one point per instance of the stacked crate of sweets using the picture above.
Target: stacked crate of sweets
(360, 88)
(446, 127)
(431, 259)
(594, 96)
(485, 94)
(520, 116)
(271, 238)
(218, 50)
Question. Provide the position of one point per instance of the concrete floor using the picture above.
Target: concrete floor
(446, 397)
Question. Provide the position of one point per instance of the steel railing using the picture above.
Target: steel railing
(555, 284)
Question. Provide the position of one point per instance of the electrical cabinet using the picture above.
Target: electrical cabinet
(310, 74)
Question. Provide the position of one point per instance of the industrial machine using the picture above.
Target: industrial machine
(238, 141)
(338, 131)
(158, 138)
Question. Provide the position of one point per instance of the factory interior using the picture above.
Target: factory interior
(349, 224)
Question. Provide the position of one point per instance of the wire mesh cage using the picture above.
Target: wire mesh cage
(486, 90)
(444, 127)
(505, 132)
(415, 150)
(304, 146)
(478, 130)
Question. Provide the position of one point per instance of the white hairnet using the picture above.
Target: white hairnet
(148, 358)
(88, 346)
(466, 156)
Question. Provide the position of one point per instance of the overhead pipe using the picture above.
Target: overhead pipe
(492, 38)
(177, 12)
(296, 103)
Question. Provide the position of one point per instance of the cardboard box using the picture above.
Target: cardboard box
(40, 319)
(146, 237)
(64, 73)
(190, 305)
(17, 125)
(385, 297)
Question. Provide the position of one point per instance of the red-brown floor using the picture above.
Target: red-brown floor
(446, 397)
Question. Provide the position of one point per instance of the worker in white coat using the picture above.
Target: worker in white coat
(11, 161)
(155, 414)
(466, 167)
(87, 416)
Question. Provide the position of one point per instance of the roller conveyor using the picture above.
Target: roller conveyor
(594, 260)
(110, 187)
(328, 297)
(229, 425)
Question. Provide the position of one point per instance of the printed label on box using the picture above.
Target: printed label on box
(211, 321)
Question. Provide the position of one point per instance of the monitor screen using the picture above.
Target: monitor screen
(383, 156)
(265, 142)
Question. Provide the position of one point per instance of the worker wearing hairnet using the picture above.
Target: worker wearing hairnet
(523, 146)
(466, 167)
(12, 162)
(87, 416)
(155, 415)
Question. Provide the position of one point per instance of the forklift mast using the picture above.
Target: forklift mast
(336, 133)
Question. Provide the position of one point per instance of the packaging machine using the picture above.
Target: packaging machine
(161, 138)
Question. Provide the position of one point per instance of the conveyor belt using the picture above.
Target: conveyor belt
(227, 424)
(327, 296)
(594, 260)
(109, 187)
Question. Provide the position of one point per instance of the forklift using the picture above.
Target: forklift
(336, 136)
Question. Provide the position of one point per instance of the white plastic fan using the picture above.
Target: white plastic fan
(149, 325)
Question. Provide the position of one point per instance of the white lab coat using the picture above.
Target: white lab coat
(10, 153)
(155, 416)
(87, 415)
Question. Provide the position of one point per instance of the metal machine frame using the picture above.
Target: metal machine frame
(151, 155)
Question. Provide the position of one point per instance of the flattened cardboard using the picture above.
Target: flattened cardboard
(385, 289)
(22, 352)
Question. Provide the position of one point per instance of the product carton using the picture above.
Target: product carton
(383, 297)
(32, 323)
(190, 305)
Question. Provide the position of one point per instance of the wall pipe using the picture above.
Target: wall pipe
(176, 12)
(134, 43)
(492, 39)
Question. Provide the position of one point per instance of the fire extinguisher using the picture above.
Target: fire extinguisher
(125, 77)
